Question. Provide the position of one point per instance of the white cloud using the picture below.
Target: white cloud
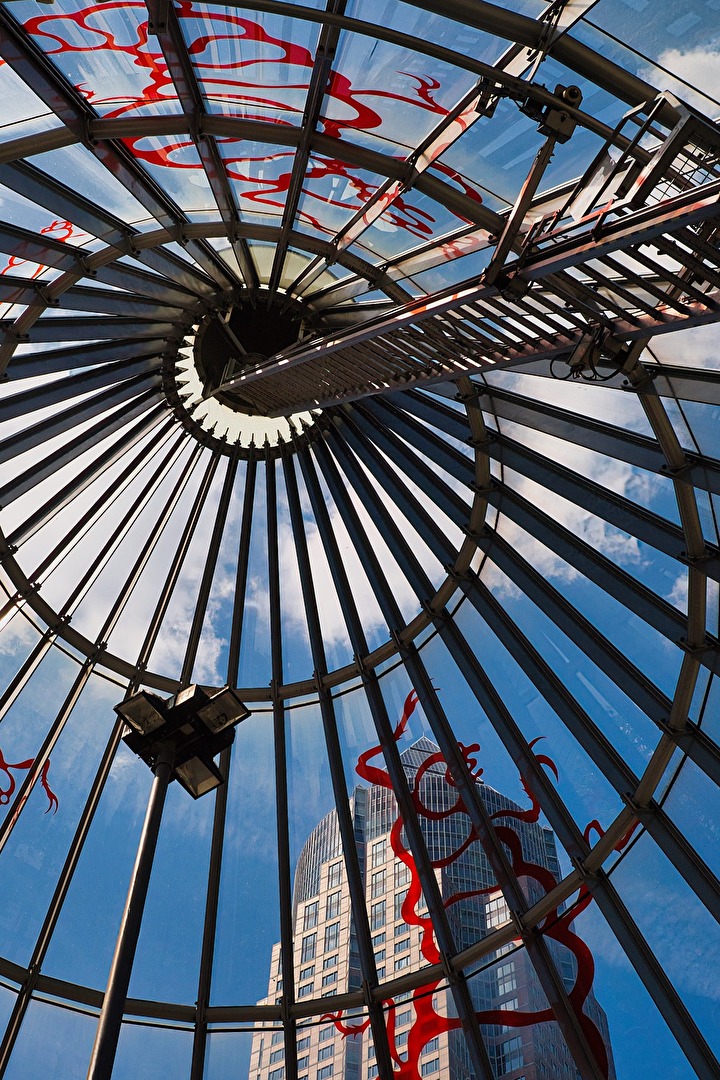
(678, 594)
(699, 70)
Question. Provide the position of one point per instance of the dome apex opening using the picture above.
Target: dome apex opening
(233, 342)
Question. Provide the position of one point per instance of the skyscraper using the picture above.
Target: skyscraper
(428, 1042)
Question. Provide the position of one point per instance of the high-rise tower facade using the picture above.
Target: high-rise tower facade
(424, 1033)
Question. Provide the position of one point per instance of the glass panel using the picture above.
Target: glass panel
(676, 39)
(622, 627)
(31, 863)
(81, 171)
(410, 215)
(333, 192)
(383, 89)
(24, 112)
(168, 971)
(336, 643)
(297, 659)
(676, 926)
(228, 1054)
(174, 162)
(641, 1044)
(248, 913)
(129, 631)
(321, 901)
(106, 53)
(54, 1044)
(249, 63)
(255, 643)
(104, 869)
(178, 618)
(7, 1001)
(145, 1052)
(213, 650)
(693, 804)
(259, 175)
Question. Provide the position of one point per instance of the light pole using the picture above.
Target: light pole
(178, 740)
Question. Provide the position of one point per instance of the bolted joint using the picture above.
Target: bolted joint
(555, 121)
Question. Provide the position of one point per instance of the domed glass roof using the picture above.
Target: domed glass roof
(361, 356)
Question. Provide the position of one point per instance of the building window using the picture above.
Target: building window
(325, 1052)
(334, 875)
(496, 912)
(372, 1071)
(378, 939)
(277, 1055)
(378, 853)
(429, 1067)
(379, 955)
(304, 991)
(433, 1045)
(377, 915)
(399, 901)
(302, 1044)
(311, 915)
(307, 973)
(277, 1036)
(326, 1033)
(511, 1055)
(510, 1005)
(401, 1038)
(403, 1017)
(303, 1062)
(381, 973)
(330, 978)
(332, 906)
(402, 962)
(402, 946)
(330, 961)
(277, 1074)
(506, 980)
(308, 948)
(377, 886)
(332, 936)
(402, 874)
(325, 1071)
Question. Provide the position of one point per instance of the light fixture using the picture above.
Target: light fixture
(143, 712)
(195, 726)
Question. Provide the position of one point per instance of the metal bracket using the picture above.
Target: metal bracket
(157, 16)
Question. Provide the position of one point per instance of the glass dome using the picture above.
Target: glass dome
(361, 357)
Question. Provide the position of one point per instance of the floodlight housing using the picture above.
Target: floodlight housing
(144, 712)
(223, 709)
(194, 726)
(198, 776)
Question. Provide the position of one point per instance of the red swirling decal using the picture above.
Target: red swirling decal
(427, 1023)
(236, 80)
(8, 782)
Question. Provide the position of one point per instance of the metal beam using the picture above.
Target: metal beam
(68, 419)
(181, 70)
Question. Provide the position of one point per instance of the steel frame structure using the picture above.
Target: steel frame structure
(419, 448)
